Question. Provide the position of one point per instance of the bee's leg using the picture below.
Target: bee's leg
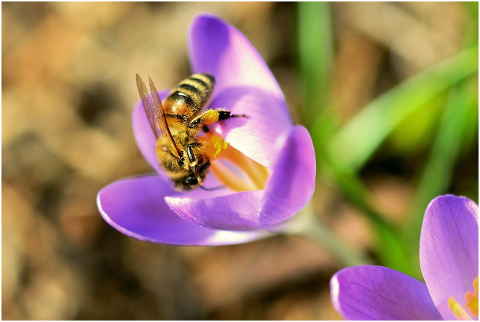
(212, 116)
(192, 157)
(194, 145)
(195, 167)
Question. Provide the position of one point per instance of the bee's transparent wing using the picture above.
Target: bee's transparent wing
(148, 106)
(155, 114)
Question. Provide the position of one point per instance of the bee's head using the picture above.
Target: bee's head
(189, 182)
(195, 167)
(194, 178)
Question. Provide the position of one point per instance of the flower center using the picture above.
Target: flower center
(471, 304)
(252, 175)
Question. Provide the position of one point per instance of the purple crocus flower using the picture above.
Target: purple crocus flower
(276, 156)
(449, 263)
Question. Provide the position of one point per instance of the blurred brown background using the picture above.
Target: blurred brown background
(67, 96)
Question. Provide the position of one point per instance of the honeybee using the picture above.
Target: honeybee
(176, 123)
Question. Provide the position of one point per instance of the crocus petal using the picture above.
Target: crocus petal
(293, 179)
(244, 85)
(136, 207)
(288, 190)
(218, 48)
(380, 293)
(449, 249)
(254, 136)
(237, 211)
(144, 135)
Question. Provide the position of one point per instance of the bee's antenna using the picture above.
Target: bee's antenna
(212, 189)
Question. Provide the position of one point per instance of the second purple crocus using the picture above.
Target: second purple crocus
(449, 263)
(276, 156)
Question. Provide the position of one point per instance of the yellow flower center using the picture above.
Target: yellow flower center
(471, 304)
(253, 176)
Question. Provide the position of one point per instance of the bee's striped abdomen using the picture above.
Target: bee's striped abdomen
(192, 93)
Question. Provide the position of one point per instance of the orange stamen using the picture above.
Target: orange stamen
(230, 179)
(457, 309)
(256, 175)
(254, 170)
(471, 304)
(472, 299)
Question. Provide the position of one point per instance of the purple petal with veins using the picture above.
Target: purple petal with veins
(449, 249)
(380, 293)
